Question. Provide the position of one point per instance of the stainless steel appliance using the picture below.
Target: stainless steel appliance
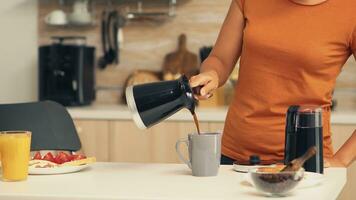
(66, 71)
(304, 129)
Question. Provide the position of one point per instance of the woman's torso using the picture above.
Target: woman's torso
(291, 55)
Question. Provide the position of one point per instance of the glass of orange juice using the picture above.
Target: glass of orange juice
(15, 154)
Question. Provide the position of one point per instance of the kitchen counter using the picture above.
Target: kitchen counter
(108, 181)
(121, 112)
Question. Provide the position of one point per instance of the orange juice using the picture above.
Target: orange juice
(15, 154)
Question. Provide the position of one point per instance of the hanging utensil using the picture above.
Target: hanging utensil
(111, 22)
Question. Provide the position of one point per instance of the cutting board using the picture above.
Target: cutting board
(180, 61)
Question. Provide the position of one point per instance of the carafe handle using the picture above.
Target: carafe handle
(180, 155)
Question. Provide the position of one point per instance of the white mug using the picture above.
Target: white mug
(80, 7)
(80, 14)
(204, 152)
(56, 17)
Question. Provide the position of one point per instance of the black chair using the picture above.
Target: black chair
(51, 125)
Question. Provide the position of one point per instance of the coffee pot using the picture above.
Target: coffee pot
(304, 129)
(154, 102)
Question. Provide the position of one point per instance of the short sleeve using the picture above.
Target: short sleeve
(241, 4)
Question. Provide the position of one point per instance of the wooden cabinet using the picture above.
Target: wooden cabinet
(122, 141)
(216, 126)
(94, 136)
(129, 144)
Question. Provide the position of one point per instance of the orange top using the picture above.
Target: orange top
(291, 55)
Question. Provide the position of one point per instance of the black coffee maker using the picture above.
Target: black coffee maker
(66, 71)
(153, 102)
(304, 128)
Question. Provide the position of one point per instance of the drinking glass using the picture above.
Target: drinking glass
(15, 154)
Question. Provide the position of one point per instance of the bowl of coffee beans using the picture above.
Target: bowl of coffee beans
(271, 181)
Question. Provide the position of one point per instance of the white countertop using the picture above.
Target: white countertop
(108, 181)
(121, 112)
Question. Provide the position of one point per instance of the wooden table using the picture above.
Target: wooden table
(127, 181)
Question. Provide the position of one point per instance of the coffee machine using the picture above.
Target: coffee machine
(304, 129)
(66, 71)
(153, 102)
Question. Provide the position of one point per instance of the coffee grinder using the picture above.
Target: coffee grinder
(304, 128)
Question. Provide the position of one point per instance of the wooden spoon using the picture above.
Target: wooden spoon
(297, 163)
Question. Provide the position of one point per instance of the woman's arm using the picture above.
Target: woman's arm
(217, 68)
(346, 155)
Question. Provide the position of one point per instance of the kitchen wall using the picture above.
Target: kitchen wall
(18, 51)
(146, 44)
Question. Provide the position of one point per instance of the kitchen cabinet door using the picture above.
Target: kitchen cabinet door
(157, 144)
(128, 143)
(94, 136)
(340, 133)
(216, 126)
(165, 136)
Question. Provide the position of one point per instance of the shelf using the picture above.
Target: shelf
(91, 25)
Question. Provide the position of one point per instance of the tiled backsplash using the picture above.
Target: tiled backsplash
(146, 44)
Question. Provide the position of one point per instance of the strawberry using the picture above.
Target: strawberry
(37, 156)
(62, 158)
(48, 157)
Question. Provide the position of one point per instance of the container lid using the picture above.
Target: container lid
(309, 116)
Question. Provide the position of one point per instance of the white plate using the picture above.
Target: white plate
(246, 168)
(310, 180)
(56, 170)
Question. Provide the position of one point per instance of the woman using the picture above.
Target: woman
(291, 53)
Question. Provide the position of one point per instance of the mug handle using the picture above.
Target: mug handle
(180, 155)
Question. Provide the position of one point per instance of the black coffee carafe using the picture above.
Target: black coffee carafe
(153, 102)
(304, 128)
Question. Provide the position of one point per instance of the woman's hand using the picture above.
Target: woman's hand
(208, 81)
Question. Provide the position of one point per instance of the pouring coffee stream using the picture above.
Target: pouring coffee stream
(196, 122)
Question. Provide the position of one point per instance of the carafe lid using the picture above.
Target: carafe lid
(309, 117)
